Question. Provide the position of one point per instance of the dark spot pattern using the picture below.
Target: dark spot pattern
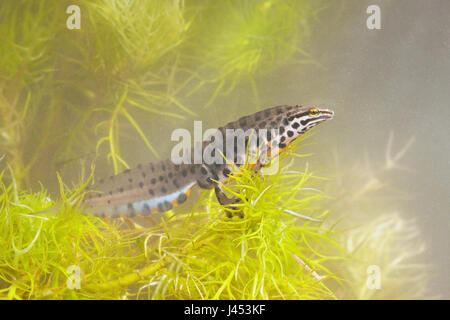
(305, 122)
(146, 210)
(167, 205)
(226, 172)
(301, 115)
(130, 210)
(182, 197)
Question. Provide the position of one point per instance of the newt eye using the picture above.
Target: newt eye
(313, 112)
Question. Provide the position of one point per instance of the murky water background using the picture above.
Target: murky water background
(395, 79)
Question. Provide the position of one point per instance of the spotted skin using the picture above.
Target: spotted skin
(149, 188)
(159, 187)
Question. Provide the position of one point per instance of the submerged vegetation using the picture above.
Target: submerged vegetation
(287, 246)
(90, 94)
(200, 254)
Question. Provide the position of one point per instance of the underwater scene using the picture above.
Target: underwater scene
(224, 150)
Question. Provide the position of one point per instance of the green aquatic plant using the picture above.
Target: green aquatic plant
(26, 30)
(286, 246)
(271, 253)
(256, 257)
(26, 55)
(129, 37)
(239, 40)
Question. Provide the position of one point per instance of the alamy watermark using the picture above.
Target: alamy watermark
(74, 277)
(373, 21)
(222, 146)
(74, 20)
(373, 281)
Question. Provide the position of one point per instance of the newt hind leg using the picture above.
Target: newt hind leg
(225, 201)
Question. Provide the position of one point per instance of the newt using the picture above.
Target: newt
(158, 187)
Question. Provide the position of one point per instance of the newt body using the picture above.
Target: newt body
(158, 187)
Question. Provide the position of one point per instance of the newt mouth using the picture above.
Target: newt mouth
(326, 114)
